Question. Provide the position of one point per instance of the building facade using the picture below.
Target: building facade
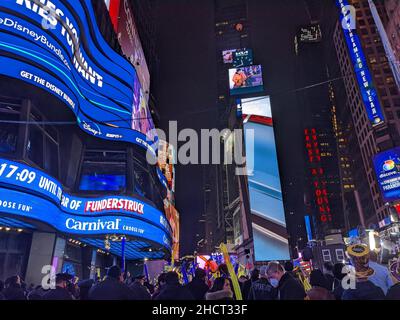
(371, 137)
(393, 25)
(76, 191)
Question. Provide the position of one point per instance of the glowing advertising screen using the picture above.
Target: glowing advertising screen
(32, 194)
(141, 116)
(310, 33)
(166, 160)
(246, 80)
(211, 262)
(387, 168)
(55, 46)
(364, 78)
(266, 203)
(131, 45)
(173, 218)
(227, 56)
(242, 58)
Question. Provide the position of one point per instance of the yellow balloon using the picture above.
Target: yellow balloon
(236, 286)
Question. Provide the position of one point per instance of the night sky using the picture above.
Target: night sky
(186, 90)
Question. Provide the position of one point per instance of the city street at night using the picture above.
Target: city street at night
(202, 158)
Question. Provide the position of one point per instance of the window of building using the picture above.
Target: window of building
(103, 171)
(340, 255)
(43, 144)
(326, 255)
(9, 111)
(141, 177)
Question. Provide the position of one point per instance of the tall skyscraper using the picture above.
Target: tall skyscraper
(226, 195)
(375, 118)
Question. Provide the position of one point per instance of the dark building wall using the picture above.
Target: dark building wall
(186, 92)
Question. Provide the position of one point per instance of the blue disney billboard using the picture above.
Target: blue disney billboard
(29, 193)
(55, 46)
(387, 168)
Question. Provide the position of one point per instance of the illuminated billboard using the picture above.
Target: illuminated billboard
(227, 56)
(238, 57)
(246, 80)
(31, 194)
(364, 78)
(59, 49)
(173, 218)
(131, 45)
(242, 58)
(387, 168)
(266, 203)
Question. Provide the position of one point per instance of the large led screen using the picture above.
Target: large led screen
(266, 203)
(56, 46)
(387, 168)
(245, 80)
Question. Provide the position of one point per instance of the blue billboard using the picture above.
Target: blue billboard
(22, 205)
(39, 188)
(368, 92)
(56, 46)
(387, 169)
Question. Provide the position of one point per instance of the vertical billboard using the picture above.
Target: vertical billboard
(364, 78)
(131, 45)
(387, 168)
(266, 203)
(173, 218)
(121, 13)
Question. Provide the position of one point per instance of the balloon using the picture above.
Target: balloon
(236, 286)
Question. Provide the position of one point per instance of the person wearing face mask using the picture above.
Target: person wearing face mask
(288, 287)
(261, 289)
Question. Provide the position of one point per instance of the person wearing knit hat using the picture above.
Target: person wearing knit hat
(364, 289)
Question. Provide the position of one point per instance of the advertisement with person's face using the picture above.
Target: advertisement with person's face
(227, 56)
(245, 80)
(266, 203)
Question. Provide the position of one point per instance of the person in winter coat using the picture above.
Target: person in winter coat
(160, 285)
(328, 274)
(84, 287)
(381, 277)
(288, 287)
(137, 286)
(394, 292)
(112, 288)
(319, 283)
(198, 287)
(173, 290)
(221, 290)
(60, 292)
(339, 273)
(255, 275)
(13, 290)
(261, 289)
(364, 289)
(36, 293)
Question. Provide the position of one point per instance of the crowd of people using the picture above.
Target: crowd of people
(274, 281)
